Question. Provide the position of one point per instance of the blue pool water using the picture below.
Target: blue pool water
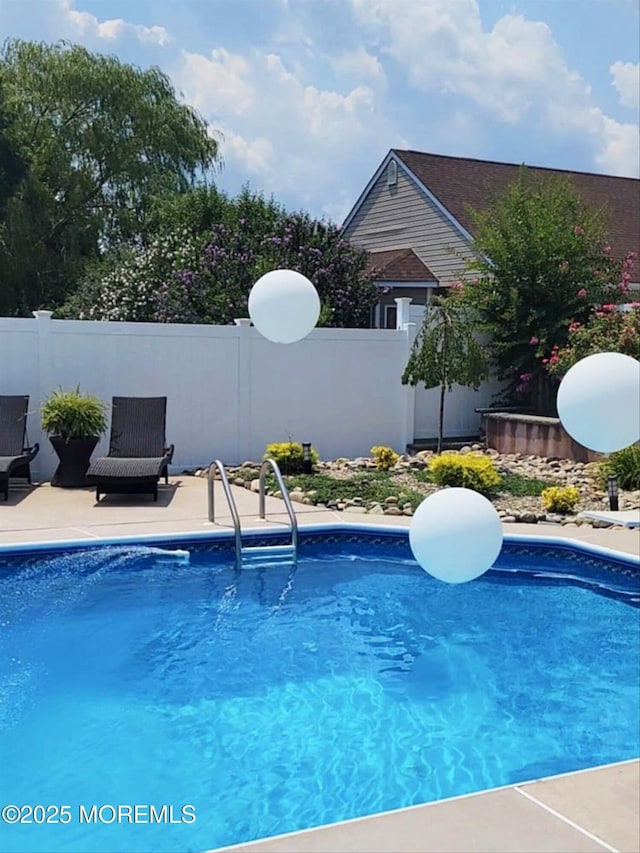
(271, 701)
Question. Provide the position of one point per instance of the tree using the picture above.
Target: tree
(445, 353)
(541, 263)
(102, 139)
(12, 171)
(182, 274)
(12, 166)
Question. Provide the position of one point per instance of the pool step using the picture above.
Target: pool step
(261, 554)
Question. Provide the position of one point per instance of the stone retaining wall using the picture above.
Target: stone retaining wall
(507, 432)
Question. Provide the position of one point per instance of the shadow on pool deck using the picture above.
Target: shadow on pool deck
(587, 811)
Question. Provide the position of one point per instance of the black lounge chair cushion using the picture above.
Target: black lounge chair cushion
(117, 468)
(8, 462)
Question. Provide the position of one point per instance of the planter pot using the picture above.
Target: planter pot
(74, 456)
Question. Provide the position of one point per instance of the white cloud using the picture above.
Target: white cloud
(295, 138)
(358, 62)
(619, 153)
(445, 49)
(256, 155)
(219, 84)
(626, 79)
(515, 72)
(85, 24)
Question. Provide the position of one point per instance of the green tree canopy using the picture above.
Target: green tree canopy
(12, 166)
(541, 263)
(101, 138)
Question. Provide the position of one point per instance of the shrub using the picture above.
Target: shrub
(467, 470)
(71, 414)
(560, 499)
(289, 456)
(519, 486)
(385, 457)
(607, 329)
(625, 465)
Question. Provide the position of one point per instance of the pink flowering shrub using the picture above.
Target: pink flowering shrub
(608, 329)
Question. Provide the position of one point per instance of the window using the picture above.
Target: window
(392, 173)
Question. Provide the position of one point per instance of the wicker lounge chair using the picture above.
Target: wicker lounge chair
(15, 454)
(138, 452)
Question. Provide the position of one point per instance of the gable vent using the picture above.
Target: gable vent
(392, 173)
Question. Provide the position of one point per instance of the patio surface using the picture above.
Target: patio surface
(591, 810)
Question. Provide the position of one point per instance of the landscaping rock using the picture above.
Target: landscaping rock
(528, 518)
(511, 508)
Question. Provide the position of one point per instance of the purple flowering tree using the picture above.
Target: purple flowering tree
(203, 271)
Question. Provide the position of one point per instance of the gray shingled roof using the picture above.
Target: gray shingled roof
(459, 183)
(399, 265)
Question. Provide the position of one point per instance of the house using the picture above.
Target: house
(413, 218)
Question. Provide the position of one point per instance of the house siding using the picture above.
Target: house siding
(402, 216)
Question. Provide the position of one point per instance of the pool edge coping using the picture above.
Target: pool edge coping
(589, 548)
(417, 806)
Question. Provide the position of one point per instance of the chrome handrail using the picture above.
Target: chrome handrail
(285, 497)
(232, 504)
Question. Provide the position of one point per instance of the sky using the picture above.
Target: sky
(310, 95)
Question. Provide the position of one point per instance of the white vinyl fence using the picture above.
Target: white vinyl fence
(229, 391)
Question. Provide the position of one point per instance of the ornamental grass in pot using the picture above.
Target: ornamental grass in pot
(74, 423)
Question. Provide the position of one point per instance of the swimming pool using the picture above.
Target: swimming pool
(268, 700)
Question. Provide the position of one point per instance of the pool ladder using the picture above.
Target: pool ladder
(255, 555)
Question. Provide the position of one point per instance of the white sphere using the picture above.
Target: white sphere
(455, 535)
(599, 401)
(284, 306)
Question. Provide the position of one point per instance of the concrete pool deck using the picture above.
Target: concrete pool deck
(591, 810)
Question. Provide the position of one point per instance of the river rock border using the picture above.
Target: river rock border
(511, 509)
